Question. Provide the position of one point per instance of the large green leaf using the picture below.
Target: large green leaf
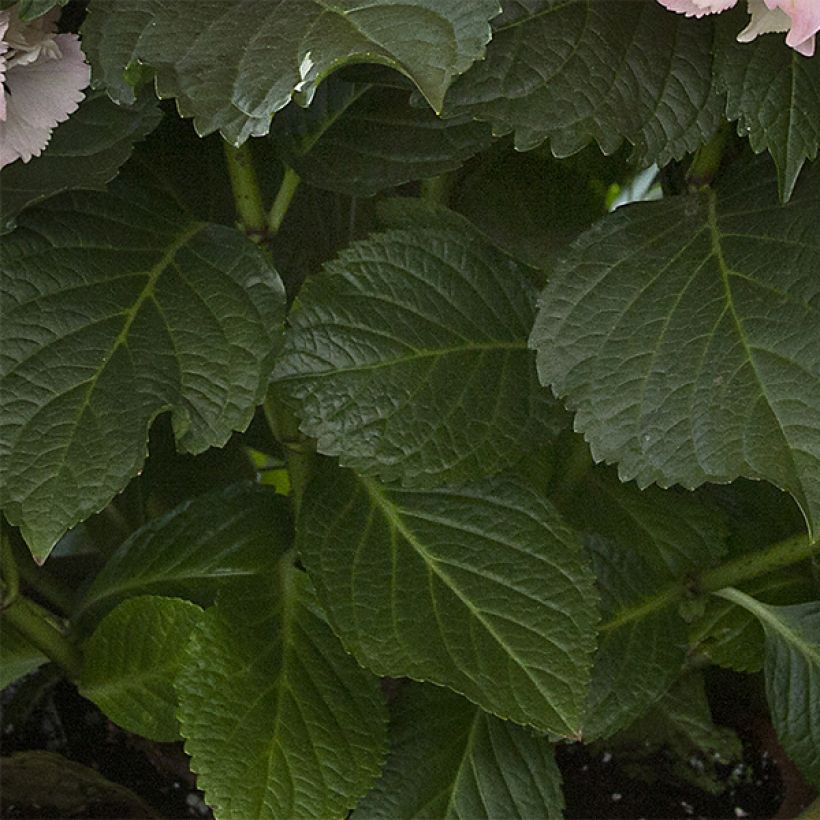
(774, 94)
(117, 307)
(573, 71)
(408, 358)
(85, 152)
(30, 9)
(449, 759)
(193, 551)
(233, 63)
(792, 670)
(278, 719)
(482, 588)
(360, 139)
(686, 335)
(131, 660)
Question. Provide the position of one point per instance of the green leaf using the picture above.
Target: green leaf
(408, 358)
(17, 656)
(236, 62)
(131, 660)
(573, 71)
(278, 719)
(85, 152)
(774, 94)
(117, 307)
(31, 9)
(641, 642)
(360, 139)
(450, 759)
(686, 335)
(792, 670)
(482, 588)
(204, 544)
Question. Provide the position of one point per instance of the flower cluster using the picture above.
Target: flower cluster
(800, 18)
(42, 77)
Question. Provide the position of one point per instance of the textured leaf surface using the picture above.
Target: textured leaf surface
(29, 9)
(792, 670)
(774, 94)
(573, 71)
(131, 660)
(686, 335)
(219, 538)
(236, 62)
(449, 759)
(408, 358)
(641, 642)
(117, 307)
(360, 139)
(85, 152)
(278, 719)
(482, 588)
(17, 656)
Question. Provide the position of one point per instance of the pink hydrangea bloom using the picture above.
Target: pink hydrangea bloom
(42, 77)
(800, 18)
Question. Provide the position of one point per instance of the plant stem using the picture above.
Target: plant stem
(437, 189)
(38, 627)
(246, 192)
(284, 196)
(40, 580)
(707, 160)
(781, 554)
(8, 566)
(298, 448)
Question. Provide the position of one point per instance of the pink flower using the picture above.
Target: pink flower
(42, 77)
(800, 18)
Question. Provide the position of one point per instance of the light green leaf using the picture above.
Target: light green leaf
(792, 670)
(774, 94)
(131, 660)
(641, 641)
(204, 544)
(573, 71)
(278, 719)
(482, 588)
(449, 759)
(85, 152)
(407, 358)
(360, 139)
(31, 9)
(234, 63)
(17, 656)
(117, 307)
(686, 335)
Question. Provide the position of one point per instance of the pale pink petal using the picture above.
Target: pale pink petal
(41, 95)
(697, 8)
(4, 24)
(805, 18)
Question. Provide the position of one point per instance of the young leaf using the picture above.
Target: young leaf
(117, 307)
(131, 660)
(233, 63)
(278, 719)
(85, 152)
(449, 759)
(360, 139)
(774, 94)
(582, 70)
(686, 335)
(792, 670)
(482, 588)
(193, 551)
(408, 358)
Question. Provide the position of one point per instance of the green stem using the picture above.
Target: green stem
(782, 554)
(577, 463)
(707, 159)
(246, 192)
(44, 583)
(38, 627)
(298, 448)
(284, 196)
(8, 566)
(438, 189)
